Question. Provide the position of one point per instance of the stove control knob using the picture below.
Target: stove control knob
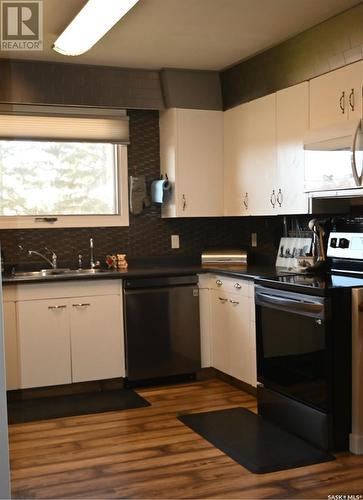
(333, 242)
(343, 243)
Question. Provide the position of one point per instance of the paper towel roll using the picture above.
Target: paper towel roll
(160, 191)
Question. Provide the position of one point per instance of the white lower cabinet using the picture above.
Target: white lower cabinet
(44, 343)
(11, 344)
(96, 340)
(69, 333)
(229, 321)
(239, 326)
(205, 322)
(221, 332)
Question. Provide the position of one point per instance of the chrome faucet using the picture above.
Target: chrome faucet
(93, 263)
(52, 263)
(91, 245)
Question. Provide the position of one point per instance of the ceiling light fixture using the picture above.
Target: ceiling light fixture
(95, 19)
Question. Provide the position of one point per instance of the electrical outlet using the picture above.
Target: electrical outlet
(254, 239)
(175, 243)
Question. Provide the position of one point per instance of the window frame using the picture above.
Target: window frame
(69, 221)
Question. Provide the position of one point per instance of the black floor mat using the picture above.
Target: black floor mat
(72, 405)
(257, 444)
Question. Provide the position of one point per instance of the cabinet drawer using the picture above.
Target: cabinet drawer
(228, 284)
(205, 281)
(64, 289)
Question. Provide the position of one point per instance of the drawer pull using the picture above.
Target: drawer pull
(184, 202)
(223, 300)
(219, 282)
(56, 307)
(234, 302)
(81, 305)
(342, 102)
(238, 286)
(351, 100)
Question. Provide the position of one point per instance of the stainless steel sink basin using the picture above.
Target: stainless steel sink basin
(91, 271)
(59, 272)
(41, 273)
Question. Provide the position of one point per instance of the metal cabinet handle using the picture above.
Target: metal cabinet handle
(219, 282)
(342, 102)
(81, 305)
(223, 300)
(57, 307)
(273, 198)
(238, 286)
(184, 202)
(353, 160)
(351, 100)
(234, 302)
(245, 201)
(280, 198)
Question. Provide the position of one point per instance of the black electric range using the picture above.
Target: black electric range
(304, 346)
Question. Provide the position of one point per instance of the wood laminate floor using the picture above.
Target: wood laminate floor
(148, 453)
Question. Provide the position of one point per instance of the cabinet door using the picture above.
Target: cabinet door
(199, 169)
(331, 96)
(11, 346)
(290, 130)
(236, 174)
(260, 166)
(240, 349)
(205, 327)
(355, 90)
(221, 352)
(168, 153)
(252, 334)
(96, 338)
(44, 342)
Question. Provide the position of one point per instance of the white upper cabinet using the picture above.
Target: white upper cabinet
(336, 96)
(191, 155)
(250, 157)
(264, 156)
(236, 197)
(292, 122)
(261, 157)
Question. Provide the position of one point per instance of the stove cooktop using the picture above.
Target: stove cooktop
(313, 283)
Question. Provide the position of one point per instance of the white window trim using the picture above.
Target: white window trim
(121, 219)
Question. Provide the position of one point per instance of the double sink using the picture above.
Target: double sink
(59, 272)
(54, 271)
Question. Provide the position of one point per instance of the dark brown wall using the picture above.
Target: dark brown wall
(148, 235)
(328, 46)
(30, 82)
(35, 82)
(191, 89)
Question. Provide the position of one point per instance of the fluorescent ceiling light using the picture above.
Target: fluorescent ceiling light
(90, 25)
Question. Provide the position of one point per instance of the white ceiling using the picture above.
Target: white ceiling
(194, 34)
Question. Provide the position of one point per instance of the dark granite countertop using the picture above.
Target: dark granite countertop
(142, 271)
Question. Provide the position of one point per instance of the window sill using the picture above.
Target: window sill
(65, 221)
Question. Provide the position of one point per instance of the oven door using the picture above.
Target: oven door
(292, 345)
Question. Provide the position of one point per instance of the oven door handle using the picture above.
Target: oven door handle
(309, 307)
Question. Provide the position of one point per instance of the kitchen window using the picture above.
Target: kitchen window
(63, 171)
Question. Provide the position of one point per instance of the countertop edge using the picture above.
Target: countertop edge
(249, 273)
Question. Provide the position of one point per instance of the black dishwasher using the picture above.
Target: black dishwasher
(162, 332)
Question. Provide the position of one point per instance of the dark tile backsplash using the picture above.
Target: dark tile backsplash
(148, 235)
